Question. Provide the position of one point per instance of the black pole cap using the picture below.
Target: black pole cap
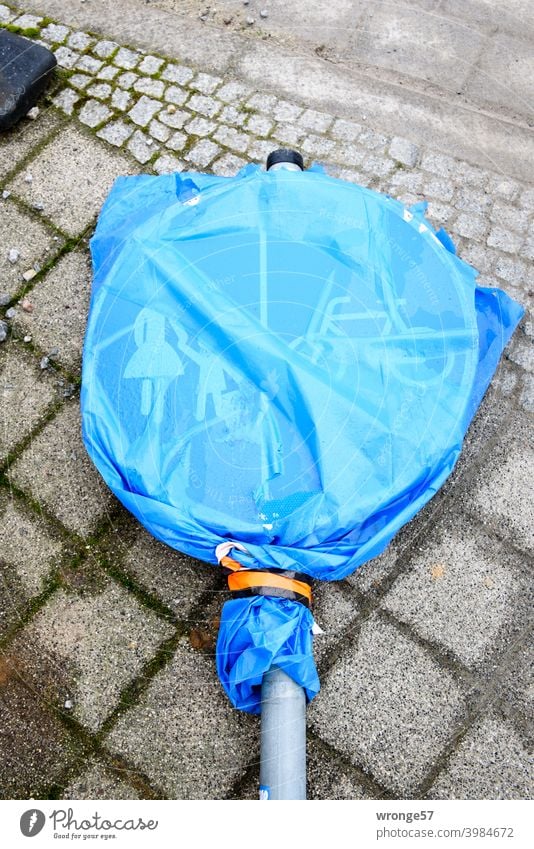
(284, 154)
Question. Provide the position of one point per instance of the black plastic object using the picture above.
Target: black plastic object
(285, 155)
(25, 69)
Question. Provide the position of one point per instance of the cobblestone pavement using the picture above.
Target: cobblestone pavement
(107, 679)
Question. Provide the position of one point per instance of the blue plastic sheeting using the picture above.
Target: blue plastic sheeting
(282, 359)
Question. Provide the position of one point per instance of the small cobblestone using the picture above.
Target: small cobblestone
(319, 122)
(480, 257)
(167, 164)
(176, 95)
(205, 83)
(177, 74)
(205, 105)
(126, 80)
(379, 166)
(154, 88)
(127, 59)
(28, 21)
(372, 141)
(177, 141)
(346, 130)
(471, 174)
(101, 91)
(142, 147)
(439, 189)
(285, 111)
(108, 72)
(260, 150)
(470, 200)
(514, 271)
(404, 151)
(200, 126)
(89, 64)
(503, 186)
(232, 115)
(349, 154)
(230, 137)
(232, 91)
(80, 81)
(66, 100)
(470, 226)
(527, 199)
(94, 113)
(66, 58)
(121, 100)
(203, 152)
(158, 130)
(115, 133)
(439, 212)
(105, 48)
(144, 110)
(176, 120)
(259, 125)
(437, 163)
(55, 33)
(150, 65)
(262, 102)
(509, 217)
(228, 165)
(317, 145)
(504, 240)
(80, 41)
(287, 134)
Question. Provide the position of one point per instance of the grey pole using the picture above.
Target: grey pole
(283, 737)
(283, 702)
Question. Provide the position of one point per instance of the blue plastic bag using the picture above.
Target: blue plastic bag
(284, 360)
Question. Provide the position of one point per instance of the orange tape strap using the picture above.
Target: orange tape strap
(241, 578)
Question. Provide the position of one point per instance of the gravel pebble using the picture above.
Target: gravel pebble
(3, 331)
(13, 255)
(11, 312)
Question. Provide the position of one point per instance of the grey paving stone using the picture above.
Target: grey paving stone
(80, 81)
(505, 240)
(286, 111)
(55, 33)
(334, 611)
(80, 40)
(177, 74)
(205, 83)
(150, 65)
(127, 59)
(232, 91)
(228, 165)
(36, 746)
(154, 88)
(57, 472)
(440, 213)
(287, 134)
(116, 133)
(60, 305)
(200, 126)
(346, 130)
(501, 493)
(66, 100)
(232, 115)
(102, 91)
(121, 100)
(202, 746)
(317, 145)
(97, 782)
(515, 688)
(514, 271)
(127, 80)
(230, 137)
(6, 15)
(509, 217)
(259, 125)
(66, 58)
(200, 103)
(27, 21)
(177, 580)
(29, 552)
(491, 762)
(479, 256)
(25, 396)
(167, 164)
(144, 110)
(438, 163)
(175, 119)
(379, 166)
(388, 707)
(328, 777)
(311, 119)
(404, 151)
(471, 226)
(158, 130)
(33, 240)
(503, 187)
(440, 189)
(89, 64)
(369, 577)
(17, 143)
(203, 152)
(373, 140)
(260, 150)
(105, 48)
(262, 102)
(527, 199)
(142, 147)
(74, 193)
(108, 72)
(94, 113)
(462, 592)
(93, 643)
(177, 141)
